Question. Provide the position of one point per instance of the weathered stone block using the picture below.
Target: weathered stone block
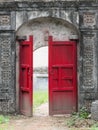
(94, 110)
(89, 61)
(7, 20)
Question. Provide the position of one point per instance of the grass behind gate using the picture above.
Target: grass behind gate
(39, 97)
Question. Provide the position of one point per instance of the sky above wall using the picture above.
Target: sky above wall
(40, 57)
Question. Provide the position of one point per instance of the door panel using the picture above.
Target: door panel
(62, 101)
(62, 77)
(25, 78)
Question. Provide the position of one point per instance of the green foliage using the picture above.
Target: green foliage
(4, 119)
(5, 128)
(83, 113)
(78, 117)
(3, 122)
(72, 120)
(40, 97)
(94, 127)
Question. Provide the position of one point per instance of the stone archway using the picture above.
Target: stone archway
(44, 26)
(41, 28)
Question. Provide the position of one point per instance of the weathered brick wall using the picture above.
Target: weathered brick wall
(35, 0)
(7, 61)
(82, 16)
(44, 0)
(89, 44)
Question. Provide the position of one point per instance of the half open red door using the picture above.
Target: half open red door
(62, 77)
(25, 77)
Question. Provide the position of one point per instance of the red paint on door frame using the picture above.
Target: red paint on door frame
(25, 76)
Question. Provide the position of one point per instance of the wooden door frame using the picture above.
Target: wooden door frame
(27, 65)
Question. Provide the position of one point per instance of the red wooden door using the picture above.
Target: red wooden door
(62, 77)
(25, 77)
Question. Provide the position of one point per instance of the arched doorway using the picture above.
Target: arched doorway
(61, 30)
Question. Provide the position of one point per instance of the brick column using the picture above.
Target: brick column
(7, 61)
(88, 17)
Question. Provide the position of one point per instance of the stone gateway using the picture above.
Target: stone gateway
(64, 20)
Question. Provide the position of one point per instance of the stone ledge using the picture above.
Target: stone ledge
(19, 5)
